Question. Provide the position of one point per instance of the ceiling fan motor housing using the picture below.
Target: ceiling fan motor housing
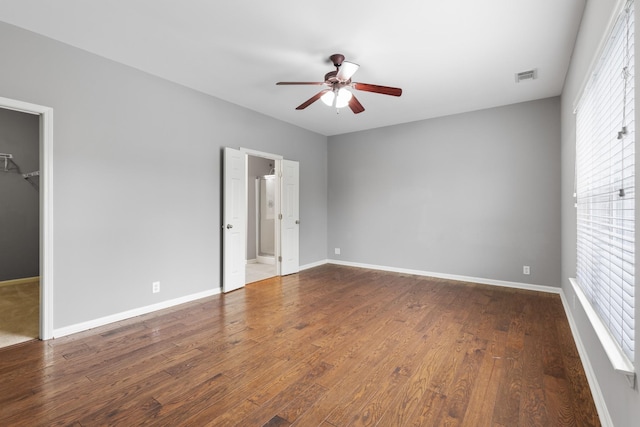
(331, 77)
(337, 59)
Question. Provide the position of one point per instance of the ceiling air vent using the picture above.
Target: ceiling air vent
(527, 75)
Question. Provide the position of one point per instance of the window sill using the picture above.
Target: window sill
(618, 359)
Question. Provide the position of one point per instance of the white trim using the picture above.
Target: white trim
(24, 107)
(46, 208)
(618, 359)
(46, 221)
(80, 327)
(256, 153)
(19, 281)
(617, 10)
(594, 386)
(503, 283)
(264, 259)
(314, 264)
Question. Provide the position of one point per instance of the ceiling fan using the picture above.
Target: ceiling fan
(338, 81)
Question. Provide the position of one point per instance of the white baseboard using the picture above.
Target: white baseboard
(598, 397)
(503, 283)
(20, 281)
(79, 327)
(313, 264)
(266, 260)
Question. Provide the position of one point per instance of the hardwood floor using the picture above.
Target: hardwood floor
(330, 346)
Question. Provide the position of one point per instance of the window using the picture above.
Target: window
(605, 189)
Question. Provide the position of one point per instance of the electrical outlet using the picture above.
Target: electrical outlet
(526, 270)
(156, 287)
(337, 251)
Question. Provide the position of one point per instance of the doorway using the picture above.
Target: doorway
(261, 219)
(20, 222)
(43, 181)
(235, 214)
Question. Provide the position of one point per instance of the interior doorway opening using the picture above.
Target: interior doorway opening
(261, 254)
(20, 234)
(235, 210)
(45, 197)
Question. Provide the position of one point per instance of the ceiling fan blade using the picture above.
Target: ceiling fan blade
(355, 105)
(300, 83)
(311, 100)
(385, 90)
(347, 70)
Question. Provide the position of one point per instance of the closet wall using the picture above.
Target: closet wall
(19, 197)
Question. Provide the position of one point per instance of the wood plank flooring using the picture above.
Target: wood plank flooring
(330, 346)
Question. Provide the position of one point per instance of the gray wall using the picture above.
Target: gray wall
(623, 403)
(473, 194)
(19, 200)
(137, 179)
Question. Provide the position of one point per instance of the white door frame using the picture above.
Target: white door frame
(278, 170)
(46, 208)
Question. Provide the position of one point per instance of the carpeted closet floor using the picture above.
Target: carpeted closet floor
(19, 312)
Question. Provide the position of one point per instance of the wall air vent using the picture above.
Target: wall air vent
(527, 75)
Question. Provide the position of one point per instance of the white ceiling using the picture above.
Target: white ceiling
(447, 56)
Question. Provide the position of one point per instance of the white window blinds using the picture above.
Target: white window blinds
(605, 185)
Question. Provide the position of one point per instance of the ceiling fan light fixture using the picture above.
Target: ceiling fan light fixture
(346, 71)
(344, 96)
(341, 100)
(328, 98)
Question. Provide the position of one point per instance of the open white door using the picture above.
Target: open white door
(290, 223)
(234, 220)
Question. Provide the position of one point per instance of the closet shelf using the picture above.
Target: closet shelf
(7, 164)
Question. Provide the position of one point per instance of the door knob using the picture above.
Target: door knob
(229, 226)
(297, 221)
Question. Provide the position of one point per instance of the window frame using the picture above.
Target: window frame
(619, 359)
